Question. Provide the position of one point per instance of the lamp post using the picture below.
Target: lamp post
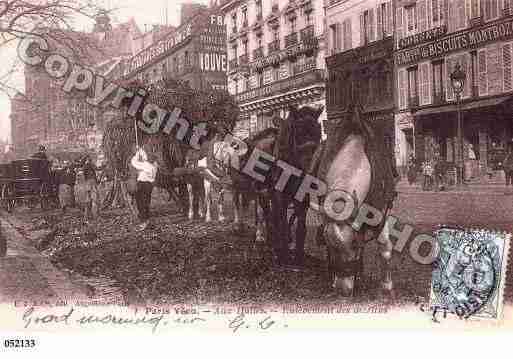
(458, 77)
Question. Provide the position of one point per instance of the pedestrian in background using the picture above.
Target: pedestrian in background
(412, 170)
(146, 166)
(67, 186)
(507, 166)
(86, 188)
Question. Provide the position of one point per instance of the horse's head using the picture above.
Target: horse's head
(300, 134)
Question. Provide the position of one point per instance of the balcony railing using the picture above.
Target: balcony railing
(232, 64)
(309, 65)
(274, 46)
(300, 80)
(413, 101)
(258, 53)
(243, 59)
(439, 97)
(291, 39)
(307, 33)
(476, 21)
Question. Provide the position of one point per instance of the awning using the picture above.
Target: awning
(466, 106)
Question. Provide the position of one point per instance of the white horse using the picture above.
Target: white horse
(351, 171)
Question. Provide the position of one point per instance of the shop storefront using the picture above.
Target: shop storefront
(363, 75)
(427, 106)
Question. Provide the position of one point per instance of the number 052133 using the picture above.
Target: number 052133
(19, 343)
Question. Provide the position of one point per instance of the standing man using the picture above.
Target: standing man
(91, 183)
(146, 166)
(507, 165)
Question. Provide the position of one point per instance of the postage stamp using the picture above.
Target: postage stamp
(470, 272)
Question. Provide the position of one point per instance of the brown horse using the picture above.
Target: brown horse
(298, 139)
(356, 160)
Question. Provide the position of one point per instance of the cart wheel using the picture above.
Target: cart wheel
(8, 200)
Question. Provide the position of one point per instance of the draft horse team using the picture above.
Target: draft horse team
(355, 159)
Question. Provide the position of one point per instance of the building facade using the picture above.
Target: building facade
(360, 61)
(195, 52)
(276, 58)
(46, 115)
(432, 37)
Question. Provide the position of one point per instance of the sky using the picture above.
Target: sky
(143, 11)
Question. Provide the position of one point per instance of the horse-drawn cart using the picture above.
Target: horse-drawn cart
(28, 180)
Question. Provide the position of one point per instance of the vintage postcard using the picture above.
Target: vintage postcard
(255, 166)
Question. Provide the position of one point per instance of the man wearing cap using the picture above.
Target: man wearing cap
(146, 166)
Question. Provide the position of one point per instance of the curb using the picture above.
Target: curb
(19, 246)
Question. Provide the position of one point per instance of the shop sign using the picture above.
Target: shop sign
(425, 36)
(213, 62)
(160, 48)
(282, 86)
(458, 41)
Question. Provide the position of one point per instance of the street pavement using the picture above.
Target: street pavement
(25, 273)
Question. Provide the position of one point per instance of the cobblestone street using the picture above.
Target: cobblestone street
(190, 261)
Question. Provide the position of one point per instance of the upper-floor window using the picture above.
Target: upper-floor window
(234, 21)
(308, 19)
(367, 27)
(438, 80)
(293, 25)
(437, 12)
(347, 34)
(474, 9)
(259, 7)
(276, 35)
(244, 16)
(334, 37)
(490, 9)
(410, 19)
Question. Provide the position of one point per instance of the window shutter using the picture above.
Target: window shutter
(462, 20)
(422, 15)
(390, 20)
(339, 37)
(445, 11)
(465, 66)
(399, 23)
(372, 26)
(402, 89)
(379, 23)
(347, 34)
(449, 69)
(429, 10)
(362, 30)
(423, 82)
(452, 14)
(506, 65)
(482, 77)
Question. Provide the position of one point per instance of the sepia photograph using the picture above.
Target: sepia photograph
(254, 166)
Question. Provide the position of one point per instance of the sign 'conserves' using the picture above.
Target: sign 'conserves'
(458, 41)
